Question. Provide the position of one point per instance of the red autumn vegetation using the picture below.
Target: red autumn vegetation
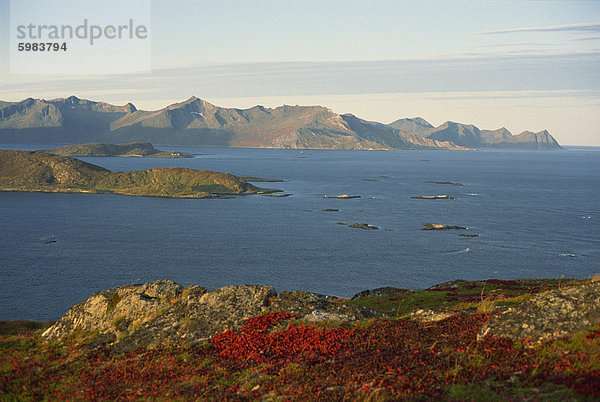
(275, 356)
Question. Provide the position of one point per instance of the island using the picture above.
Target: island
(363, 226)
(343, 196)
(132, 149)
(445, 182)
(438, 226)
(44, 172)
(273, 194)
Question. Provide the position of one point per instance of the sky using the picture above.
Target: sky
(523, 65)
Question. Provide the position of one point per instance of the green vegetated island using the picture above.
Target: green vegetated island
(197, 122)
(42, 171)
(133, 149)
(529, 339)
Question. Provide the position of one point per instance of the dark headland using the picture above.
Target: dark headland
(133, 149)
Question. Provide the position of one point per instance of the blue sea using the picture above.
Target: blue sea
(537, 214)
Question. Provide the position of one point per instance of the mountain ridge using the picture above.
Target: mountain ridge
(469, 135)
(197, 122)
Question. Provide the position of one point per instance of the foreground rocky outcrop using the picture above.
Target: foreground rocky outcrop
(549, 315)
(135, 316)
(129, 317)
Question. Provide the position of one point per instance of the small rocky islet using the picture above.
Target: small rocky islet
(439, 226)
(365, 226)
(451, 183)
(342, 196)
(434, 197)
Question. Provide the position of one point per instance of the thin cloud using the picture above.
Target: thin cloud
(589, 26)
(514, 44)
(583, 38)
(488, 72)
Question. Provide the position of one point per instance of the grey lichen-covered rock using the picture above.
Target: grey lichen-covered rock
(115, 312)
(135, 316)
(313, 307)
(199, 315)
(549, 315)
(429, 315)
(386, 291)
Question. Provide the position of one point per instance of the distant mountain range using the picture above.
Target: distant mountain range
(197, 122)
(468, 135)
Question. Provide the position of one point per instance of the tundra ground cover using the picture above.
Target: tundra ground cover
(277, 356)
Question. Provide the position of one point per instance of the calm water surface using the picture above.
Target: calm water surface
(537, 214)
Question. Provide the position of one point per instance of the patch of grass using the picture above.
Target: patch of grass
(472, 392)
(20, 326)
(463, 296)
(113, 300)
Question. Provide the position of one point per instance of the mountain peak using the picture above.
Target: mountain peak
(420, 121)
(416, 126)
(131, 107)
(193, 101)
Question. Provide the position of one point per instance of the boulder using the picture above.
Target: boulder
(129, 317)
(115, 312)
(198, 316)
(549, 315)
